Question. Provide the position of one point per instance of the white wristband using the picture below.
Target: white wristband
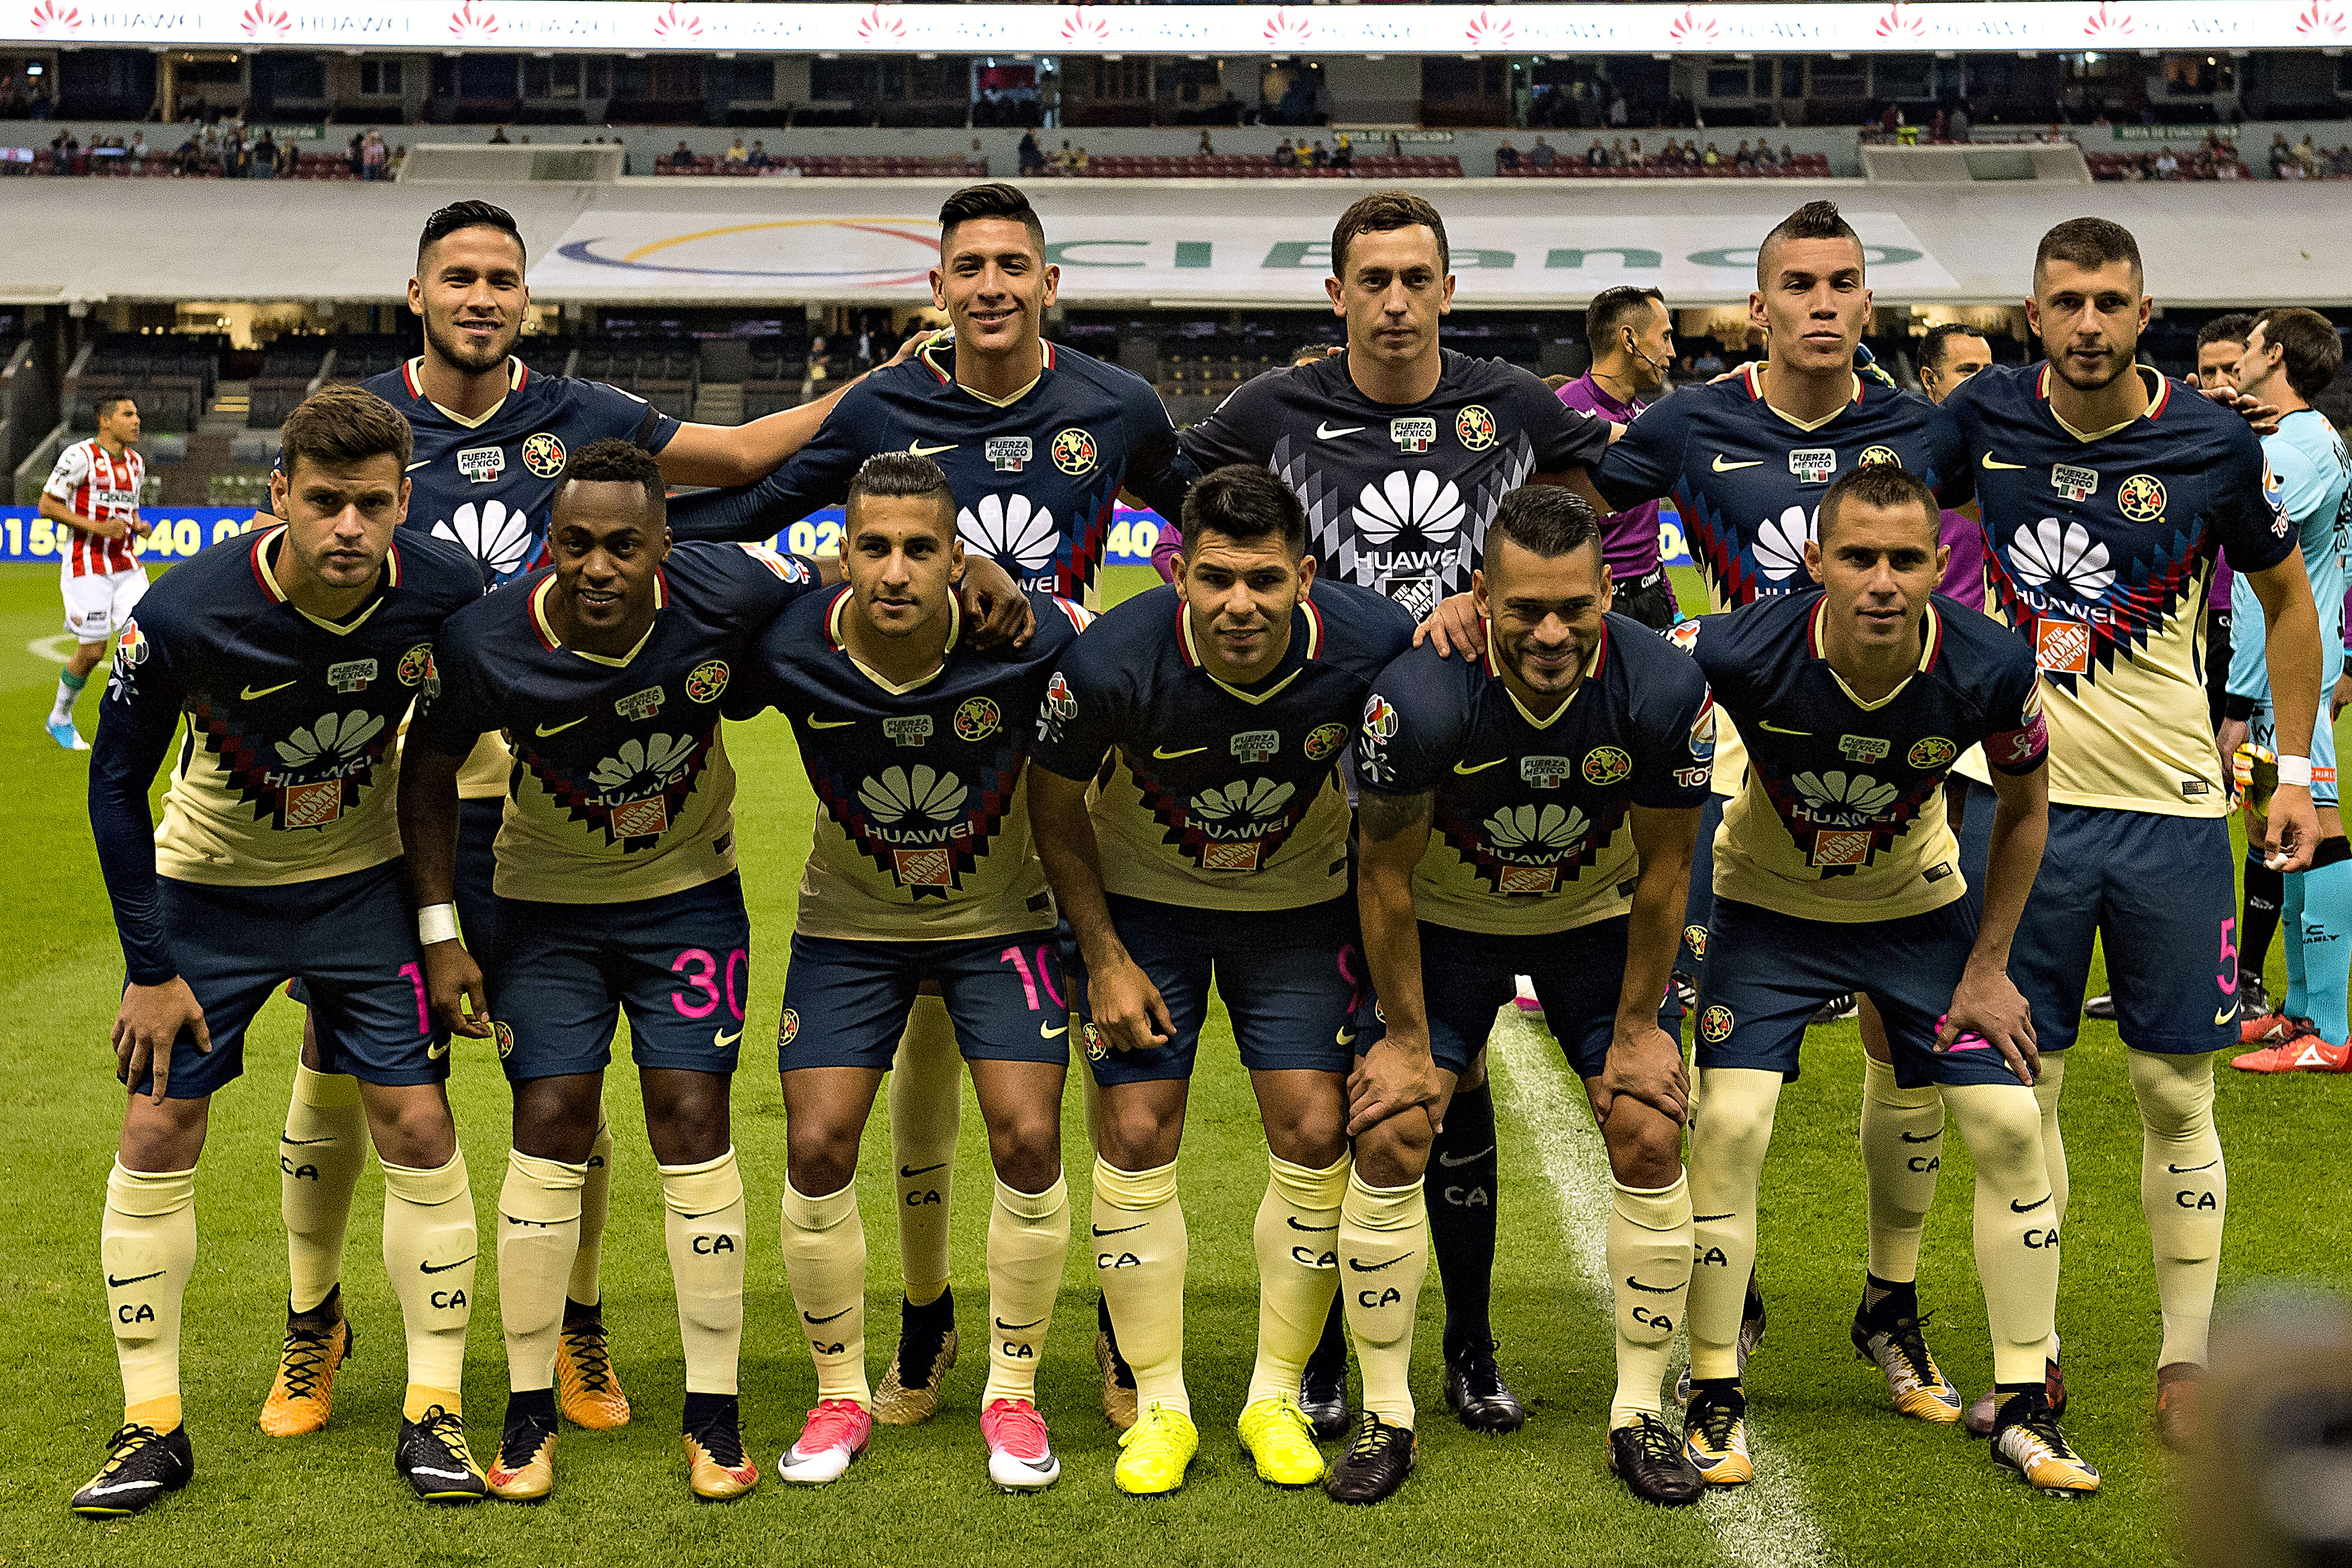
(438, 923)
(2294, 770)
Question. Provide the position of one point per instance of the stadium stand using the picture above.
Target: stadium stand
(172, 376)
(292, 368)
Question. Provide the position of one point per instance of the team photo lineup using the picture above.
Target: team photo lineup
(1410, 744)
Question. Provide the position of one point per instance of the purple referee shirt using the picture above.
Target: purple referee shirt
(1964, 574)
(1629, 540)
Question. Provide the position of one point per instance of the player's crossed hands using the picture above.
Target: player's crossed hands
(453, 989)
(152, 1017)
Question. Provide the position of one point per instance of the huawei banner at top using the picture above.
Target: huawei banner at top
(658, 25)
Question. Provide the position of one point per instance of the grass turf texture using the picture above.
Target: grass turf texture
(1876, 1487)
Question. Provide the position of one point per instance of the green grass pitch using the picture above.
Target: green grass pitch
(1846, 1480)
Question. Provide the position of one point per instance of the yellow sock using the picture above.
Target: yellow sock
(1141, 1251)
(429, 1247)
(1028, 1238)
(926, 1098)
(1297, 1237)
(147, 1250)
(2184, 1190)
(1728, 1137)
(595, 1207)
(320, 1158)
(2016, 1223)
(1901, 1149)
(703, 1224)
(825, 1263)
(1650, 1268)
(1384, 1257)
(2046, 1090)
(539, 1230)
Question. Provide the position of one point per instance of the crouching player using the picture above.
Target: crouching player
(294, 651)
(922, 869)
(616, 892)
(1837, 872)
(1532, 811)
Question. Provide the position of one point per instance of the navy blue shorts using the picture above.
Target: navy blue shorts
(350, 939)
(845, 1003)
(1770, 972)
(1465, 978)
(477, 831)
(2158, 895)
(1290, 980)
(1976, 803)
(562, 973)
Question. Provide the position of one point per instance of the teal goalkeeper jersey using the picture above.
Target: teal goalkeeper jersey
(2310, 473)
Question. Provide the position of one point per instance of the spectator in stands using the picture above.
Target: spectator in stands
(373, 155)
(1541, 156)
(1507, 158)
(138, 148)
(1319, 157)
(1208, 148)
(1343, 156)
(187, 157)
(265, 156)
(1033, 157)
(737, 153)
(975, 160)
(1709, 364)
(63, 147)
(1788, 156)
(499, 136)
(1940, 128)
(1617, 153)
(1596, 156)
(2168, 167)
(1079, 163)
(684, 157)
(1745, 158)
(758, 158)
(1065, 159)
(1711, 158)
(2280, 155)
(1285, 156)
(820, 369)
(1633, 158)
(1764, 156)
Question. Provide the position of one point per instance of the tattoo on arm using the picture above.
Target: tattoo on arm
(1381, 818)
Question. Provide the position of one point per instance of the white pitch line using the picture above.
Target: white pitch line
(57, 648)
(1766, 1523)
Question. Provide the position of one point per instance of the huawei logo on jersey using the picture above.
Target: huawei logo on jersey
(2061, 559)
(1779, 546)
(1006, 527)
(498, 539)
(1416, 502)
(1536, 834)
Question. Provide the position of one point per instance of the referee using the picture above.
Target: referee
(1632, 335)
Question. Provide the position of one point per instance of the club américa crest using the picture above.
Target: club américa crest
(707, 680)
(977, 718)
(1475, 426)
(542, 454)
(1074, 451)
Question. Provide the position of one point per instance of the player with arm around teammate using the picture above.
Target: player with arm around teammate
(1532, 812)
(617, 893)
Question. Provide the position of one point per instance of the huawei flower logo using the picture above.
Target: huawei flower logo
(260, 22)
(1488, 31)
(56, 16)
(641, 767)
(924, 793)
(2316, 21)
(1898, 23)
(332, 738)
(1083, 26)
(472, 21)
(677, 22)
(1692, 27)
(1410, 500)
(1251, 800)
(2108, 24)
(1287, 27)
(1522, 829)
(879, 26)
(1003, 526)
(2063, 557)
(1837, 800)
(1780, 543)
(498, 539)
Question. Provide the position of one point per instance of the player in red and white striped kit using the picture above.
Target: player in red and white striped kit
(94, 492)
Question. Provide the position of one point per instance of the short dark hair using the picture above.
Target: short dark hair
(107, 403)
(1244, 503)
(343, 426)
(2313, 351)
(1380, 212)
(2230, 329)
(1814, 220)
(891, 475)
(1936, 346)
(1547, 520)
(996, 199)
(1886, 487)
(2087, 243)
(615, 460)
(468, 215)
(1613, 308)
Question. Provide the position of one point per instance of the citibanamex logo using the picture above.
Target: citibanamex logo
(676, 21)
(51, 18)
(472, 21)
(1488, 31)
(260, 22)
(1287, 27)
(1083, 26)
(879, 26)
(2107, 22)
(1897, 21)
(1693, 27)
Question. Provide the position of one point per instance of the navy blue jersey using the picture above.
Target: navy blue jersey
(1215, 796)
(620, 788)
(924, 829)
(2099, 547)
(1035, 479)
(1841, 816)
(1529, 830)
(285, 771)
(1747, 478)
(1398, 496)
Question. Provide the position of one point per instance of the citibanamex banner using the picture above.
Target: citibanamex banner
(882, 28)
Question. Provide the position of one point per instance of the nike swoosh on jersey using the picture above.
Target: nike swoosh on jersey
(1779, 730)
(1293, 1220)
(445, 1268)
(920, 450)
(1363, 1268)
(721, 1039)
(907, 1174)
(816, 723)
(843, 1312)
(413, 467)
(1723, 467)
(1653, 1290)
(249, 694)
(2192, 1170)
(1930, 1138)
(1323, 431)
(1164, 754)
(435, 1052)
(303, 1143)
(1047, 1031)
(2227, 1013)
(2017, 1207)
(1464, 767)
(1346, 1036)
(1121, 1230)
(113, 1283)
(1449, 1161)
(1990, 462)
(545, 730)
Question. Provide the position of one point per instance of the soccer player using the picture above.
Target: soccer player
(2291, 357)
(1630, 333)
(1214, 712)
(1401, 450)
(2220, 344)
(1835, 870)
(1038, 441)
(93, 492)
(617, 893)
(922, 869)
(1533, 812)
(294, 651)
(2077, 460)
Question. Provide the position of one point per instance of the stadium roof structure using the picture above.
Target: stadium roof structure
(1174, 242)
